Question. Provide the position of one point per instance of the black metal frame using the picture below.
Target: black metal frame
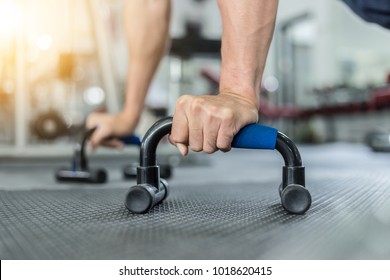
(79, 171)
(80, 161)
(296, 200)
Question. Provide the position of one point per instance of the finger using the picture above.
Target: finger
(182, 148)
(210, 136)
(98, 136)
(195, 118)
(179, 131)
(225, 137)
(92, 121)
(195, 134)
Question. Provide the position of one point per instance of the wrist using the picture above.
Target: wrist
(247, 92)
(127, 114)
(132, 108)
(128, 121)
(243, 95)
(245, 83)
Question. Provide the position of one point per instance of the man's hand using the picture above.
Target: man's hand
(108, 125)
(209, 123)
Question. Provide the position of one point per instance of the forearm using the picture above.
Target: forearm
(147, 31)
(247, 33)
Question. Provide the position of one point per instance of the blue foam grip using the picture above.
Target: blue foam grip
(131, 140)
(255, 136)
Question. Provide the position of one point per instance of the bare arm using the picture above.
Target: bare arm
(247, 32)
(209, 123)
(147, 26)
(147, 32)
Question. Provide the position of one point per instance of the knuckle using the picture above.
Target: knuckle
(213, 109)
(182, 101)
(212, 112)
(174, 138)
(197, 105)
(177, 137)
(227, 114)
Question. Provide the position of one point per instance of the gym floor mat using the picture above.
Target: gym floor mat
(211, 216)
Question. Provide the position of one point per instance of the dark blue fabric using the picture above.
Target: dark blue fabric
(255, 136)
(376, 11)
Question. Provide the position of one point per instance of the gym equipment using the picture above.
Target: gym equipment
(130, 171)
(166, 170)
(194, 44)
(79, 171)
(49, 125)
(151, 189)
(378, 141)
(378, 99)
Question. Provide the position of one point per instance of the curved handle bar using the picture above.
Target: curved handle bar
(149, 189)
(253, 136)
(80, 160)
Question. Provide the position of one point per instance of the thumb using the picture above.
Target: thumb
(182, 148)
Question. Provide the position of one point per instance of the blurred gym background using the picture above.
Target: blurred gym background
(326, 85)
(327, 76)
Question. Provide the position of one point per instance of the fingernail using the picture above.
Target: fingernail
(182, 148)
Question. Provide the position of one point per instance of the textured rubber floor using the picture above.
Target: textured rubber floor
(225, 207)
(349, 219)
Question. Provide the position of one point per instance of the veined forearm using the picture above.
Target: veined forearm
(147, 31)
(247, 33)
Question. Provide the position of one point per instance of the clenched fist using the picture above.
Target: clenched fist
(209, 123)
